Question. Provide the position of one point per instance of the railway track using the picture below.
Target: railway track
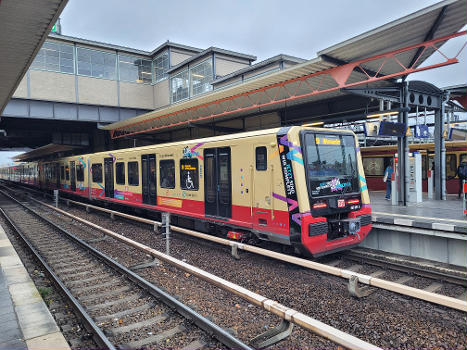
(398, 322)
(401, 278)
(120, 309)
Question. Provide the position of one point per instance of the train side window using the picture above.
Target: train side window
(189, 174)
(96, 172)
(462, 157)
(261, 158)
(67, 173)
(62, 172)
(451, 165)
(167, 173)
(133, 174)
(120, 173)
(80, 172)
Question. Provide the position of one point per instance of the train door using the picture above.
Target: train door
(109, 177)
(72, 176)
(148, 172)
(217, 182)
(261, 188)
(57, 175)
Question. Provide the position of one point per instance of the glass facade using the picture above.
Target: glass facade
(55, 57)
(201, 77)
(161, 66)
(134, 69)
(98, 64)
(179, 86)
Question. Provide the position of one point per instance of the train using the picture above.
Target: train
(298, 186)
(377, 158)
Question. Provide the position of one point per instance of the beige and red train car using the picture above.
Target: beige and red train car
(298, 186)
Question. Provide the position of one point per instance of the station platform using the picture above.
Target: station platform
(430, 214)
(25, 321)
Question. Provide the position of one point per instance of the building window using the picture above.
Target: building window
(189, 174)
(261, 158)
(201, 77)
(96, 170)
(96, 64)
(120, 173)
(161, 66)
(134, 69)
(179, 86)
(80, 172)
(167, 173)
(133, 174)
(55, 57)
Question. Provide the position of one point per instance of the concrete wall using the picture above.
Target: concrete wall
(136, 95)
(52, 86)
(161, 94)
(22, 90)
(97, 91)
(450, 248)
(226, 65)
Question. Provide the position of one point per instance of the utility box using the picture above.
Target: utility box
(415, 178)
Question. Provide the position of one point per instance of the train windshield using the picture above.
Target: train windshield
(331, 164)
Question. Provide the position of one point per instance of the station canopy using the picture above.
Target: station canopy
(374, 58)
(24, 26)
(43, 151)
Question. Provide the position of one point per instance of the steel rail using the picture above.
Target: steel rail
(284, 312)
(205, 324)
(98, 336)
(343, 273)
(347, 274)
(436, 275)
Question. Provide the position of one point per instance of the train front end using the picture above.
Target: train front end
(332, 210)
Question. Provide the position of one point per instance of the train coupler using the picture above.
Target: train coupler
(272, 336)
(356, 291)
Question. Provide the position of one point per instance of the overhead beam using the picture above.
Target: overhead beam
(215, 127)
(284, 91)
(381, 93)
(339, 62)
(429, 35)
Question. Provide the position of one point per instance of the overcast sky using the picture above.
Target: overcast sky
(263, 28)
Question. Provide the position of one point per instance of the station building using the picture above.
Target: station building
(73, 79)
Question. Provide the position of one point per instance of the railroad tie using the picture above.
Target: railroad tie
(377, 273)
(104, 294)
(404, 279)
(462, 296)
(355, 268)
(434, 287)
(334, 263)
(157, 338)
(97, 286)
(124, 313)
(71, 284)
(137, 325)
(195, 345)
(113, 302)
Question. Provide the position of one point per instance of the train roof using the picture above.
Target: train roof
(212, 139)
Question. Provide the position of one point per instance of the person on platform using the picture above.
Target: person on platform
(462, 174)
(388, 179)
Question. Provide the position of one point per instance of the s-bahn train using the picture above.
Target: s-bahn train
(298, 186)
(377, 158)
